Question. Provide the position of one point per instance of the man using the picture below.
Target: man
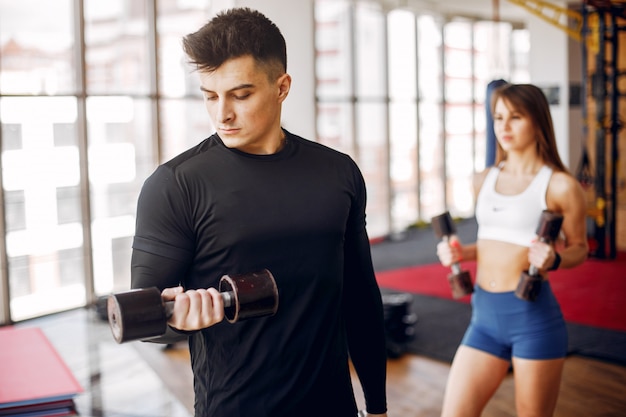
(254, 196)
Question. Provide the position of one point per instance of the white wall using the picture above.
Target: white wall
(551, 56)
(576, 121)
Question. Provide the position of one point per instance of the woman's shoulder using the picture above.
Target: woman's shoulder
(479, 178)
(563, 182)
(565, 189)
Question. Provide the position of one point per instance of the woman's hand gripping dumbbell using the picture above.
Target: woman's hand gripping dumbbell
(547, 232)
(448, 251)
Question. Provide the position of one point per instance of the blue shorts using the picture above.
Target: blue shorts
(505, 326)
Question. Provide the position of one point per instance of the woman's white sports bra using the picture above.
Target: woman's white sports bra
(511, 218)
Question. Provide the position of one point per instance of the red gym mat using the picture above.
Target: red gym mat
(592, 294)
(34, 379)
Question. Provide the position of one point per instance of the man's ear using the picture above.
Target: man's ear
(284, 84)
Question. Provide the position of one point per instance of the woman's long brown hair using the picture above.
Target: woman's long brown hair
(530, 101)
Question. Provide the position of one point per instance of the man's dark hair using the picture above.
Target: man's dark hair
(235, 33)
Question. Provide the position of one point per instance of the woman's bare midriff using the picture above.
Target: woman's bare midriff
(500, 264)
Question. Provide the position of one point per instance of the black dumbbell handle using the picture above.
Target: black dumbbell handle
(227, 296)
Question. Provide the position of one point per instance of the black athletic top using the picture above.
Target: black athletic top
(300, 213)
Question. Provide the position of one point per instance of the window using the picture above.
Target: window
(416, 126)
(74, 153)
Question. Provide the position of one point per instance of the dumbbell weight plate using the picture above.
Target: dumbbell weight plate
(529, 286)
(461, 284)
(256, 295)
(136, 314)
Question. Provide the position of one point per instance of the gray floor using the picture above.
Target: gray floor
(416, 246)
(117, 379)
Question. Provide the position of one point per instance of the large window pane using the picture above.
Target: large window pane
(520, 45)
(403, 165)
(41, 178)
(459, 117)
(117, 47)
(371, 113)
(177, 19)
(402, 60)
(431, 173)
(480, 135)
(36, 46)
(431, 161)
(184, 123)
(403, 140)
(373, 160)
(334, 126)
(334, 74)
(333, 49)
(120, 158)
(459, 173)
(371, 80)
(429, 63)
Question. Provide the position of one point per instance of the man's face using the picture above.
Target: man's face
(244, 105)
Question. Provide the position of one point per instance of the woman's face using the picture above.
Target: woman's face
(514, 130)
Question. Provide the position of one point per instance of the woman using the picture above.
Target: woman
(528, 178)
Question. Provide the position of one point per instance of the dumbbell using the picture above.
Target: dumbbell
(460, 281)
(547, 231)
(142, 313)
